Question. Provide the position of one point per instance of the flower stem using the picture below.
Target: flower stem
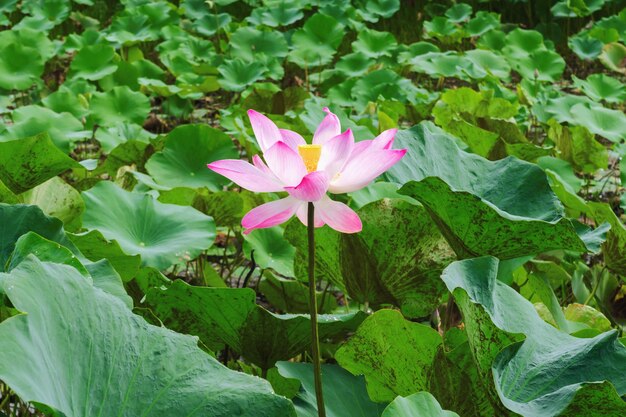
(315, 341)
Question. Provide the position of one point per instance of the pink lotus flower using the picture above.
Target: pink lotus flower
(333, 163)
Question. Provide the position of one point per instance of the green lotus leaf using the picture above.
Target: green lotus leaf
(440, 27)
(237, 74)
(602, 87)
(163, 234)
(460, 12)
(20, 219)
(26, 163)
(277, 13)
(63, 128)
(23, 54)
(209, 25)
(374, 44)
(93, 62)
(94, 247)
(586, 48)
(375, 9)
(613, 57)
(292, 296)
(543, 65)
(560, 108)
(93, 345)
(487, 62)
(187, 151)
(344, 394)
(587, 315)
(578, 147)
(610, 124)
(401, 368)
(550, 373)
(103, 274)
(408, 52)
(250, 44)
(230, 316)
(470, 199)
(113, 136)
(57, 199)
(439, 64)
(55, 11)
(382, 83)
(316, 43)
(18, 70)
(481, 120)
(119, 105)
(576, 8)
(527, 54)
(354, 64)
(271, 250)
(64, 100)
(420, 404)
(482, 23)
(378, 270)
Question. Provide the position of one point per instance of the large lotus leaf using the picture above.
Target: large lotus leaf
(65, 100)
(18, 69)
(421, 404)
(237, 74)
(316, 43)
(26, 163)
(80, 351)
(456, 381)
(607, 123)
(384, 84)
(471, 201)
(231, 316)
(63, 128)
(374, 44)
(187, 151)
(375, 9)
(113, 136)
(119, 105)
(614, 249)
(434, 153)
(93, 62)
(248, 43)
(271, 250)
(344, 394)
(613, 57)
(281, 13)
(23, 54)
(475, 227)
(95, 247)
(550, 373)
(391, 369)
(579, 147)
(375, 269)
(327, 253)
(292, 296)
(20, 219)
(480, 120)
(440, 64)
(103, 274)
(57, 199)
(404, 270)
(163, 234)
(602, 87)
(527, 54)
(585, 47)
(487, 62)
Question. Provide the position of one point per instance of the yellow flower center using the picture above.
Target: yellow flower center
(310, 155)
